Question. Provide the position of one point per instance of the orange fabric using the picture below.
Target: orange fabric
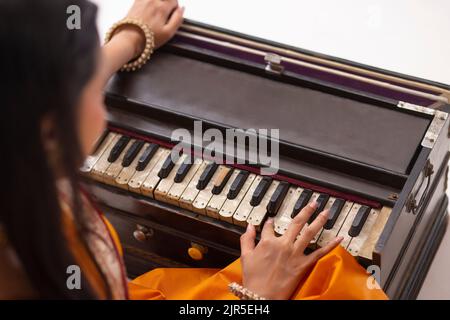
(335, 276)
(114, 235)
(81, 253)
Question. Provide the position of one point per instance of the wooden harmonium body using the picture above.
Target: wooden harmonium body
(369, 145)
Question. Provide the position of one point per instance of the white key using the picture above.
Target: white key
(313, 242)
(152, 179)
(243, 211)
(164, 186)
(100, 167)
(92, 159)
(127, 173)
(368, 247)
(314, 197)
(203, 197)
(139, 176)
(357, 242)
(329, 235)
(116, 167)
(177, 189)
(258, 213)
(229, 207)
(283, 218)
(216, 202)
(347, 224)
(191, 192)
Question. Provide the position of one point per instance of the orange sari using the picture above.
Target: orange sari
(335, 276)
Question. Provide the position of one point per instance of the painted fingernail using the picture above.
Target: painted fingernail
(313, 204)
(270, 220)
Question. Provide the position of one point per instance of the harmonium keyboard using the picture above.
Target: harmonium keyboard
(370, 145)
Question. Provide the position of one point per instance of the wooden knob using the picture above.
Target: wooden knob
(195, 254)
(139, 236)
(142, 233)
(196, 251)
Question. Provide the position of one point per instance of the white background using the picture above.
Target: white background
(406, 36)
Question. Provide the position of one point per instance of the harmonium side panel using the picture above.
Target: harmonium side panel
(410, 239)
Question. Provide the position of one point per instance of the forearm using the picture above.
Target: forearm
(123, 47)
(162, 17)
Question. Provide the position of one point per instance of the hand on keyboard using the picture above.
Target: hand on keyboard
(274, 267)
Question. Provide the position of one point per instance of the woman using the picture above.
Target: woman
(52, 113)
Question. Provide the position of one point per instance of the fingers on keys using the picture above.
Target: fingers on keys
(300, 220)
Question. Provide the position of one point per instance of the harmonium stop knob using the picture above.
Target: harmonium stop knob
(142, 233)
(197, 251)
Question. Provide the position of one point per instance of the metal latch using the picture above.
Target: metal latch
(273, 63)
(411, 203)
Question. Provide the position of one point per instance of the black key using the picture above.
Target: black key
(321, 203)
(237, 184)
(260, 191)
(359, 221)
(132, 153)
(217, 189)
(207, 175)
(335, 210)
(182, 171)
(118, 148)
(166, 167)
(277, 198)
(146, 156)
(301, 202)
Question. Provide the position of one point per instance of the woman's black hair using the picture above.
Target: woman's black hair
(44, 67)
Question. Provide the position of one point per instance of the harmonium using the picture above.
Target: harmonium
(370, 145)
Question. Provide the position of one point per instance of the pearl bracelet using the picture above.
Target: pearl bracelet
(243, 293)
(149, 43)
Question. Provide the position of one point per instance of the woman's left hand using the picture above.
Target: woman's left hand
(164, 17)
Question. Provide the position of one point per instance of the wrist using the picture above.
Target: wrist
(244, 293)
(129, 44)
(132, 39)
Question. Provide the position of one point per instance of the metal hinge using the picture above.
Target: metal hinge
(436, 124)
(434, 129)
(273, 63)
(415, 107)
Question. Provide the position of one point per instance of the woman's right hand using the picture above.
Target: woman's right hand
(273, 268)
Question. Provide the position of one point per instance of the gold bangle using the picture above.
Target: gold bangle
(149, 43)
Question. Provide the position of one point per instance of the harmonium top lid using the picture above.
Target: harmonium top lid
(318, 102)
